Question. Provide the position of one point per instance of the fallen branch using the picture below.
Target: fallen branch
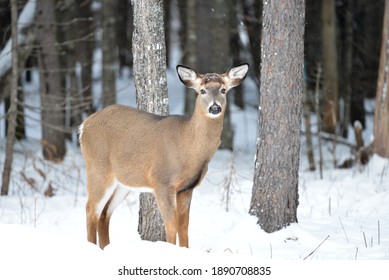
(336, 138)
(316, 248)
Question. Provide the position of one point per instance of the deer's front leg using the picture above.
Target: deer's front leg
(166, 200)
(183, 206)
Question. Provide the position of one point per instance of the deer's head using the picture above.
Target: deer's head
(212, 88)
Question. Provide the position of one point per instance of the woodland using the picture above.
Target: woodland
(320, 63)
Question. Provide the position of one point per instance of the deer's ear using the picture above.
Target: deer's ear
(188, 76)
(236, 75)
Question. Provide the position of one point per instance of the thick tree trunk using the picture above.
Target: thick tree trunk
(151, 92)
(381, 120)
(275, 192)
(52, 98)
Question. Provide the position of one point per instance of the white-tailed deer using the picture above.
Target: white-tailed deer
(124, 147)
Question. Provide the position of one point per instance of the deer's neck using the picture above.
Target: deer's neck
(205, 130)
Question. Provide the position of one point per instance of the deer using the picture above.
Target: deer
(124, 148)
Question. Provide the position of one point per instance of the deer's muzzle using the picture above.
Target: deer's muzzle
(215, 109)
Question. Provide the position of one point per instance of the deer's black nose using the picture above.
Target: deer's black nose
(215, 109)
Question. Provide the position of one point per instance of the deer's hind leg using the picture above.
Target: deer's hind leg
(117, 197)
(100, 189)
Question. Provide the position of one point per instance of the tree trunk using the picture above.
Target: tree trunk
(347, 66)
(151, 92)
(166, 28)
(190, 50)
(52, 98)
(235, 50)
(5, 86)
(20, 130)
(66, 13)
(204, 38)
(85, 47)
(25, 43)
(123, 9)
(252, 16)
(275, 191)
(330, 68)
(220, 57)
(381, 118)
(12, 112)
(312, 42)
(109, 46)
(308, 132)
(130, 31)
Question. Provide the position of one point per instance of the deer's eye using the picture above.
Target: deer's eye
(203, 91)
(223, 90)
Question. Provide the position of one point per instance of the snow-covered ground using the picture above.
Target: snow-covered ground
(344, 216)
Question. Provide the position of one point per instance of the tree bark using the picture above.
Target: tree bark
(381, 118)
(347, 68)
(123, 9)
(52, 97)
(85, 47)
(109, 46)
(66, 13)
(275, 191)
(220, 61)
(236, 46)
(12, 112)
(252, 16)
(190, 49)
(330, 68)
(308, 132)
(26, 39)
(151, 92)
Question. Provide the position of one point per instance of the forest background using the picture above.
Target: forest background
(346, 49)
(80, 49)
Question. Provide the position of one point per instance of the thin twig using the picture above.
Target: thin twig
(316, 248)
(345, 234)
(364, 238)
(271, 251)
(317, 111)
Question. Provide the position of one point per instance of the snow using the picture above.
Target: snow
(343, 216)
